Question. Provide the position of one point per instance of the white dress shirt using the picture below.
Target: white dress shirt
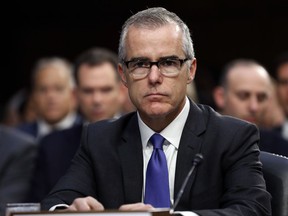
(45, 128)
(172, 134)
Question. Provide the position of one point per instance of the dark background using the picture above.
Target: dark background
(221, 31)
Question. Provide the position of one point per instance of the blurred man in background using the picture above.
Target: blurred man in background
(281, 75)
(245, 91)
(100, 95)
(53, 97)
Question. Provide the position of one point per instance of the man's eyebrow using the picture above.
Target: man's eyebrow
(169, 57)
(139, 59)
(147, 59)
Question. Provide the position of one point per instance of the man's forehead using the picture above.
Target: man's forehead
(249, 91)
(249, 82)
(244, 75)
(153, 44)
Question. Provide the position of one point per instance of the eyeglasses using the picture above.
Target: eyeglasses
(140, 68)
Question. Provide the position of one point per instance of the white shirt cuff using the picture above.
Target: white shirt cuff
(59, 206)
(186, 213)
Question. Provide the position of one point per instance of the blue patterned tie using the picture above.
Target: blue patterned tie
(157, 183)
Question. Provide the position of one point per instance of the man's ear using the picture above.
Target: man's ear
(122, 74)
(192, 71)
(219, 97)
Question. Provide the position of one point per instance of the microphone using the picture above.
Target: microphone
(196, 161)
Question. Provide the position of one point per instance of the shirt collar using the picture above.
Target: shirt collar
(172, 133)
(45, 128)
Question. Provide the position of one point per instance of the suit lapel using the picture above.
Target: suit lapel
(190, 144)
(131, 157)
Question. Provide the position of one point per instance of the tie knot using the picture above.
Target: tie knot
(157, 141)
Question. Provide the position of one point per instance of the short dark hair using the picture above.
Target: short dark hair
(96, 56)
(278, 62)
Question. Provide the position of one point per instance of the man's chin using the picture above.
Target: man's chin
(154, 113)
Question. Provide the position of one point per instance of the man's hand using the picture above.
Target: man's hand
(85, 204)
(137, 207)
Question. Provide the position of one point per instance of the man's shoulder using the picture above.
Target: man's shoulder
(108, 132)
(112, 123)
(28, 127)
(14, 141)
(70, 135)
(64, 133)
(13, 135)
(111, 128)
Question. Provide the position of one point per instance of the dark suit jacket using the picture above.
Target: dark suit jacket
(55, 153)
(17, 157)
(31, 128)
(272, 141)
(109, 166)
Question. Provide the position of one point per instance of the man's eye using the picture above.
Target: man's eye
(262, 97)
(243, 95)
(169, 62)
(140, 64)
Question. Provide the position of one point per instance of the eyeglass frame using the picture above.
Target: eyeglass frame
(151, 63)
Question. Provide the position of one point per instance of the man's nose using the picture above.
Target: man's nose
(254, 104)
(97, 97)
(154, 74)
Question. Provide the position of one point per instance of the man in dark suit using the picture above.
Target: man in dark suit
(109, 170)
(99, 91)
(17, 155)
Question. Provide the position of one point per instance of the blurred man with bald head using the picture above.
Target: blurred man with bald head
(245, 92)
(53, 97)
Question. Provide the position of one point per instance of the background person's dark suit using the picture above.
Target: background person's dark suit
(271, 141)
(55, 153)
(17, 155)
(109, 166)
(32, 128)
